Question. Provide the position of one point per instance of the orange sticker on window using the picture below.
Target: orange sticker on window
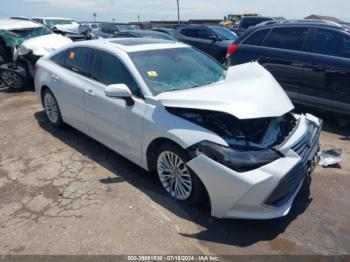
(71, 55)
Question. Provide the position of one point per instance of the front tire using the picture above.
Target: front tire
(52, 109)
(176, 177)
(13, 80)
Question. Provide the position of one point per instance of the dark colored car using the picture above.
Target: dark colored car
(109, 30)
(144, 34)
(310, 60)
(249, 21)
(213, 40)
(168, 31)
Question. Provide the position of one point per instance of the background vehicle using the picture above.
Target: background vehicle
(144, 34)
(169, 31)
(233, 19)
(51, 22)
(66, 27)
(213, 40)
(311, 60)
(248, 21)
(22, 43)
(109, 30)
(204, 130)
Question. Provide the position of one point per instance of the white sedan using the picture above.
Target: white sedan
(209, 133)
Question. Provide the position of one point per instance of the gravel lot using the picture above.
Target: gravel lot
(63, 193)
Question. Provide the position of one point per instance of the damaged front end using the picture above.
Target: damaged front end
(252, 143)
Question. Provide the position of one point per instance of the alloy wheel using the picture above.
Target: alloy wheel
(51, 107)
(12, 80)
(174, 175)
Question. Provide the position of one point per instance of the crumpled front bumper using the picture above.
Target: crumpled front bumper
(267, 192)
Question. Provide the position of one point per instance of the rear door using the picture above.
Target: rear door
(282, 53)
(105, 31)
(188, 36)
(201, 38)
(206, 42)
(326, 80)
(70, 82)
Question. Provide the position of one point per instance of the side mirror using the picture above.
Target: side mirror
(214, 38)
(120, 91)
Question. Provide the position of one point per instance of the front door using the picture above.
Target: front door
(113, 121)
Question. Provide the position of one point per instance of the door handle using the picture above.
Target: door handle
(55, 77)
(262, 59)
(90, 92)
(316, 68)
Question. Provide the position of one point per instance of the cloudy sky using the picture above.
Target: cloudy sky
(128, 10)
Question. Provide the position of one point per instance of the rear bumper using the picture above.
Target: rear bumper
(267, 192)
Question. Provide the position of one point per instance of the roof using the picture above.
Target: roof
(322, 17)
(12, 24)
(131, 44)
(53, 18)
(307, 22)
(147, 32)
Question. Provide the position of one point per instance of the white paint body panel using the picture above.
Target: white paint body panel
(45, 45)
(248, 92)
(13, 24)
(241, 195)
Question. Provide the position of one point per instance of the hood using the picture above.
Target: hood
(249, 91)
(44, 45)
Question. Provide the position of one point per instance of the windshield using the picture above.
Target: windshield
(28, 33)
(53, 22)
(224, 33)
(173, 69)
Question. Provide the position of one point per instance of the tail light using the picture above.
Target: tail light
(231, 50)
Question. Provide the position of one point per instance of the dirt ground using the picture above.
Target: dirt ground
(63, 193)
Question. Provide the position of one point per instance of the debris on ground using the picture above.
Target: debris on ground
(330, 158)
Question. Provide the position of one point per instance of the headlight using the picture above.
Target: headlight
(240, 160)
(22, 51)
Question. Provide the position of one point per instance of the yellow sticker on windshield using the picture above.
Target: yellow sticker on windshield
(71, 55)
(152, 74)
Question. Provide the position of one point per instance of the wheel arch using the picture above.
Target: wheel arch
(151, 159)
(151, 150)
(42, 90)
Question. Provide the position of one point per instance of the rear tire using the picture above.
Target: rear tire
(52, 109)
(176, 177)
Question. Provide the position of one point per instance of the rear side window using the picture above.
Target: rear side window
(287, 38)
(106, 29)
(332, 43)
(108, 70)
(256, 38)
(59, 58)
(189, 32)
(205, 34)
(78, 60)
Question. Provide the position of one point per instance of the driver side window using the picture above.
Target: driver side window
(108, 70)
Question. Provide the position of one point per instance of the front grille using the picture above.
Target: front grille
(306, 148)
